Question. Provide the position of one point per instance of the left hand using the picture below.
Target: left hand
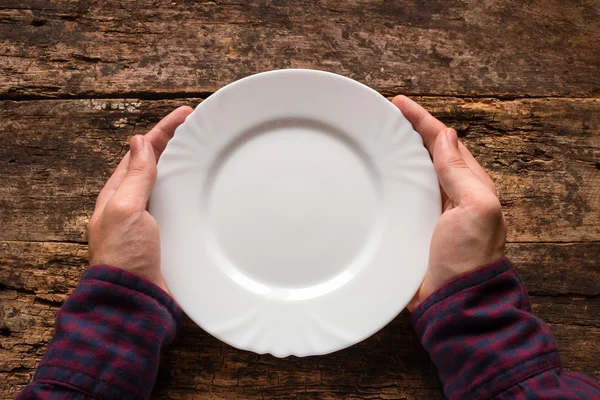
(121, 231)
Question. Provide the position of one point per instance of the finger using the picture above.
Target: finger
(136, 187)
(112, 184)
(429, 127)
(476, 168)
(455, 176)
(160, 135)
(424, 123)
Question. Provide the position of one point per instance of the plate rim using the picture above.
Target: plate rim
(232, 87)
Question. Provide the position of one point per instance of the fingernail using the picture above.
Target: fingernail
(452, 138)
(136, 144)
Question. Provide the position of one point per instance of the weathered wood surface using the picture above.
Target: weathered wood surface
(55, 155)
(456, 47)
(78, 78)
(390, 364)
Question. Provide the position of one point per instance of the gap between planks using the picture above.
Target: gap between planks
(205, 95)
(83, 242)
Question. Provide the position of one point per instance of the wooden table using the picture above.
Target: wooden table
(519, 80)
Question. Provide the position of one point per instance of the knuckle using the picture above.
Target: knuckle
(120, 209)
(450, 164)
(489, 208)
(93, 224)
(142, 171)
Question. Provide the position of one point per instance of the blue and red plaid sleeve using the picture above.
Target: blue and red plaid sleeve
(481, 335)
(108, 338)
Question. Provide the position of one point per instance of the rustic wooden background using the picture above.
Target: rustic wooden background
(520, 80)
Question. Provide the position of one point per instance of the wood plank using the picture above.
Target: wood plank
(543, 154)
(65, 151)
(36, 277)
(551, 269)
(568, 310)
(575, 342)
(134, 48)
(51, 270)
(47, 270)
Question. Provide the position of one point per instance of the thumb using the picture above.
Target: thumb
(455, 176)
(137, 185)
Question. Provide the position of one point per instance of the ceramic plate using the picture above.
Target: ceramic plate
(295, 210)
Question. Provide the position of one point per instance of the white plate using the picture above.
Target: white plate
(295, 210)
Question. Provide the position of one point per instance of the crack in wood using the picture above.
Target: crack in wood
(172, 95)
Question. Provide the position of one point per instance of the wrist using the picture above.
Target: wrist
(155, 279)
(425, 290)
(434, 284)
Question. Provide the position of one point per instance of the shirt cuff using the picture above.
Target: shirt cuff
(458, 284)
(109, 335)
(121, 277)
(481, 335)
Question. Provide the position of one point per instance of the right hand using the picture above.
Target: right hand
(472, 230)
(121, 231)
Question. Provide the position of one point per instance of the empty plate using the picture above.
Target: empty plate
(295, 209)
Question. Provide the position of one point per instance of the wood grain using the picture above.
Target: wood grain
(37, 277)
(56, 155)
(50, 270)
(390, 364)
(157, 48)
(518, 80)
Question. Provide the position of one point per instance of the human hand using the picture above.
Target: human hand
(472, 230)
(121, 232)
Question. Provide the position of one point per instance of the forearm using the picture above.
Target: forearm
(485, 342)
(108, 338)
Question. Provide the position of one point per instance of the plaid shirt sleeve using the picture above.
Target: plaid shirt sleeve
(108, 338)
(480, 333)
